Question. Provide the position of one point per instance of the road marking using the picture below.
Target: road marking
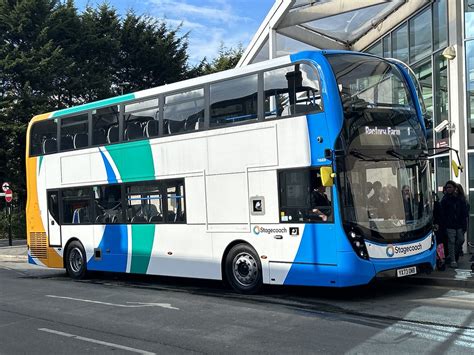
(95, 341)
(130, 305)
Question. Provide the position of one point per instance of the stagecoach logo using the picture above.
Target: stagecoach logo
(258, 230)
(390, 251)
(294, 231)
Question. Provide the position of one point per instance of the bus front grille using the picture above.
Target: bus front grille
(38, 245)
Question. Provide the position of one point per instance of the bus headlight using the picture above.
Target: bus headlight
(358, 244)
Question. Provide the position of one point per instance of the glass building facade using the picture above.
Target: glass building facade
(419, 41)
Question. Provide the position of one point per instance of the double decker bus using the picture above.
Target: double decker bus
(309, 169)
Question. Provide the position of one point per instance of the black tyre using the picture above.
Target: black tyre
(243, 269)
(76, 262)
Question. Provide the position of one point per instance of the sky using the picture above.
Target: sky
(210, 22)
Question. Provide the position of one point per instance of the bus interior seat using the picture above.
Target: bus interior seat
(50, 146)
(174, 126)
(139, 219)
(103, 218)
(80, 215)
(148, 211)
(67, 142)
(180, 217)
(113, 134)
(132, 211)
(98, 136)
(156, 218)
(192, 122)
(152, 128)
(80, 140)
(133, 131)
(171, 216)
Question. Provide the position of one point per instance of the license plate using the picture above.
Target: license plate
(406, 271)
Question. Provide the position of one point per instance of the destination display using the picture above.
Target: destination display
(389, 135)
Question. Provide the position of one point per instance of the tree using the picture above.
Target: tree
(51, 57)
(150, 53)
(227, 58)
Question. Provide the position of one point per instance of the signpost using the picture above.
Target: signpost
(8, 194)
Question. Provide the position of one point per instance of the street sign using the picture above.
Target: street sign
(8, 195)
(5, 186)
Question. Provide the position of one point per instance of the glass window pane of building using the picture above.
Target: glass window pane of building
(376, 49)
(441, 98)
(424, 74)
(469, 18)
(442, 174)
(400, 43)
(420, 36)
(470, 89)
(440, 24)
(387, 46)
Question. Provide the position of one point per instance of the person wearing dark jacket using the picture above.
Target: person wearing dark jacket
(454, 217)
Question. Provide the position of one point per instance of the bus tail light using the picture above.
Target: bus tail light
(358, 244)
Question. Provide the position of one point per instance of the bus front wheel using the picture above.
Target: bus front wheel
(243, 269)
(76, 262)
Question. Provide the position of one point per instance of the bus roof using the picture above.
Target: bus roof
(189, 83)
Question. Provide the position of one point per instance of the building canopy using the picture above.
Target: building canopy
(294, 25)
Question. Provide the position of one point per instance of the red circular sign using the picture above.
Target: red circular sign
(8, 195)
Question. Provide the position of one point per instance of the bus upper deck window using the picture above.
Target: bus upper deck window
(44, 138)
(291, 90)
(234, 101)
(74, 132)
(184, 112)
(104, 122)
(141, 120)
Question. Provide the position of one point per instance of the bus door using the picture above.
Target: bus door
(306, 218)
(54, 229)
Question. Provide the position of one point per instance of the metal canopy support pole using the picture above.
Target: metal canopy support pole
(272, 43)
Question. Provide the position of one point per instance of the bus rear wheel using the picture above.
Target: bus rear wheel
(76, 262)
(243, 269)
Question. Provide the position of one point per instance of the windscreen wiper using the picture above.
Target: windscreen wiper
(399, 155)
(363, 156)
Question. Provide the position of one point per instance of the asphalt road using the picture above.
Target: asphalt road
(43, 311)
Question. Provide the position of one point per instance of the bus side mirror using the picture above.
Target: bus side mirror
(327, 176)
(456, 168)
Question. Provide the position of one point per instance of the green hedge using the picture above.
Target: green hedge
(18, 219)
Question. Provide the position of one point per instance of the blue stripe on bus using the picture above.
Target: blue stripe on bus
(31, 260)
(111, 178)
(114, 247)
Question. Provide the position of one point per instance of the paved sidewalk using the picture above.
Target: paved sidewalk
(17, 251)
(461, 277)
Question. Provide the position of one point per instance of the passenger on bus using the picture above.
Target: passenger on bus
(407, 203)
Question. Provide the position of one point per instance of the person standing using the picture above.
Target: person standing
(454, 219)
(460, 194)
